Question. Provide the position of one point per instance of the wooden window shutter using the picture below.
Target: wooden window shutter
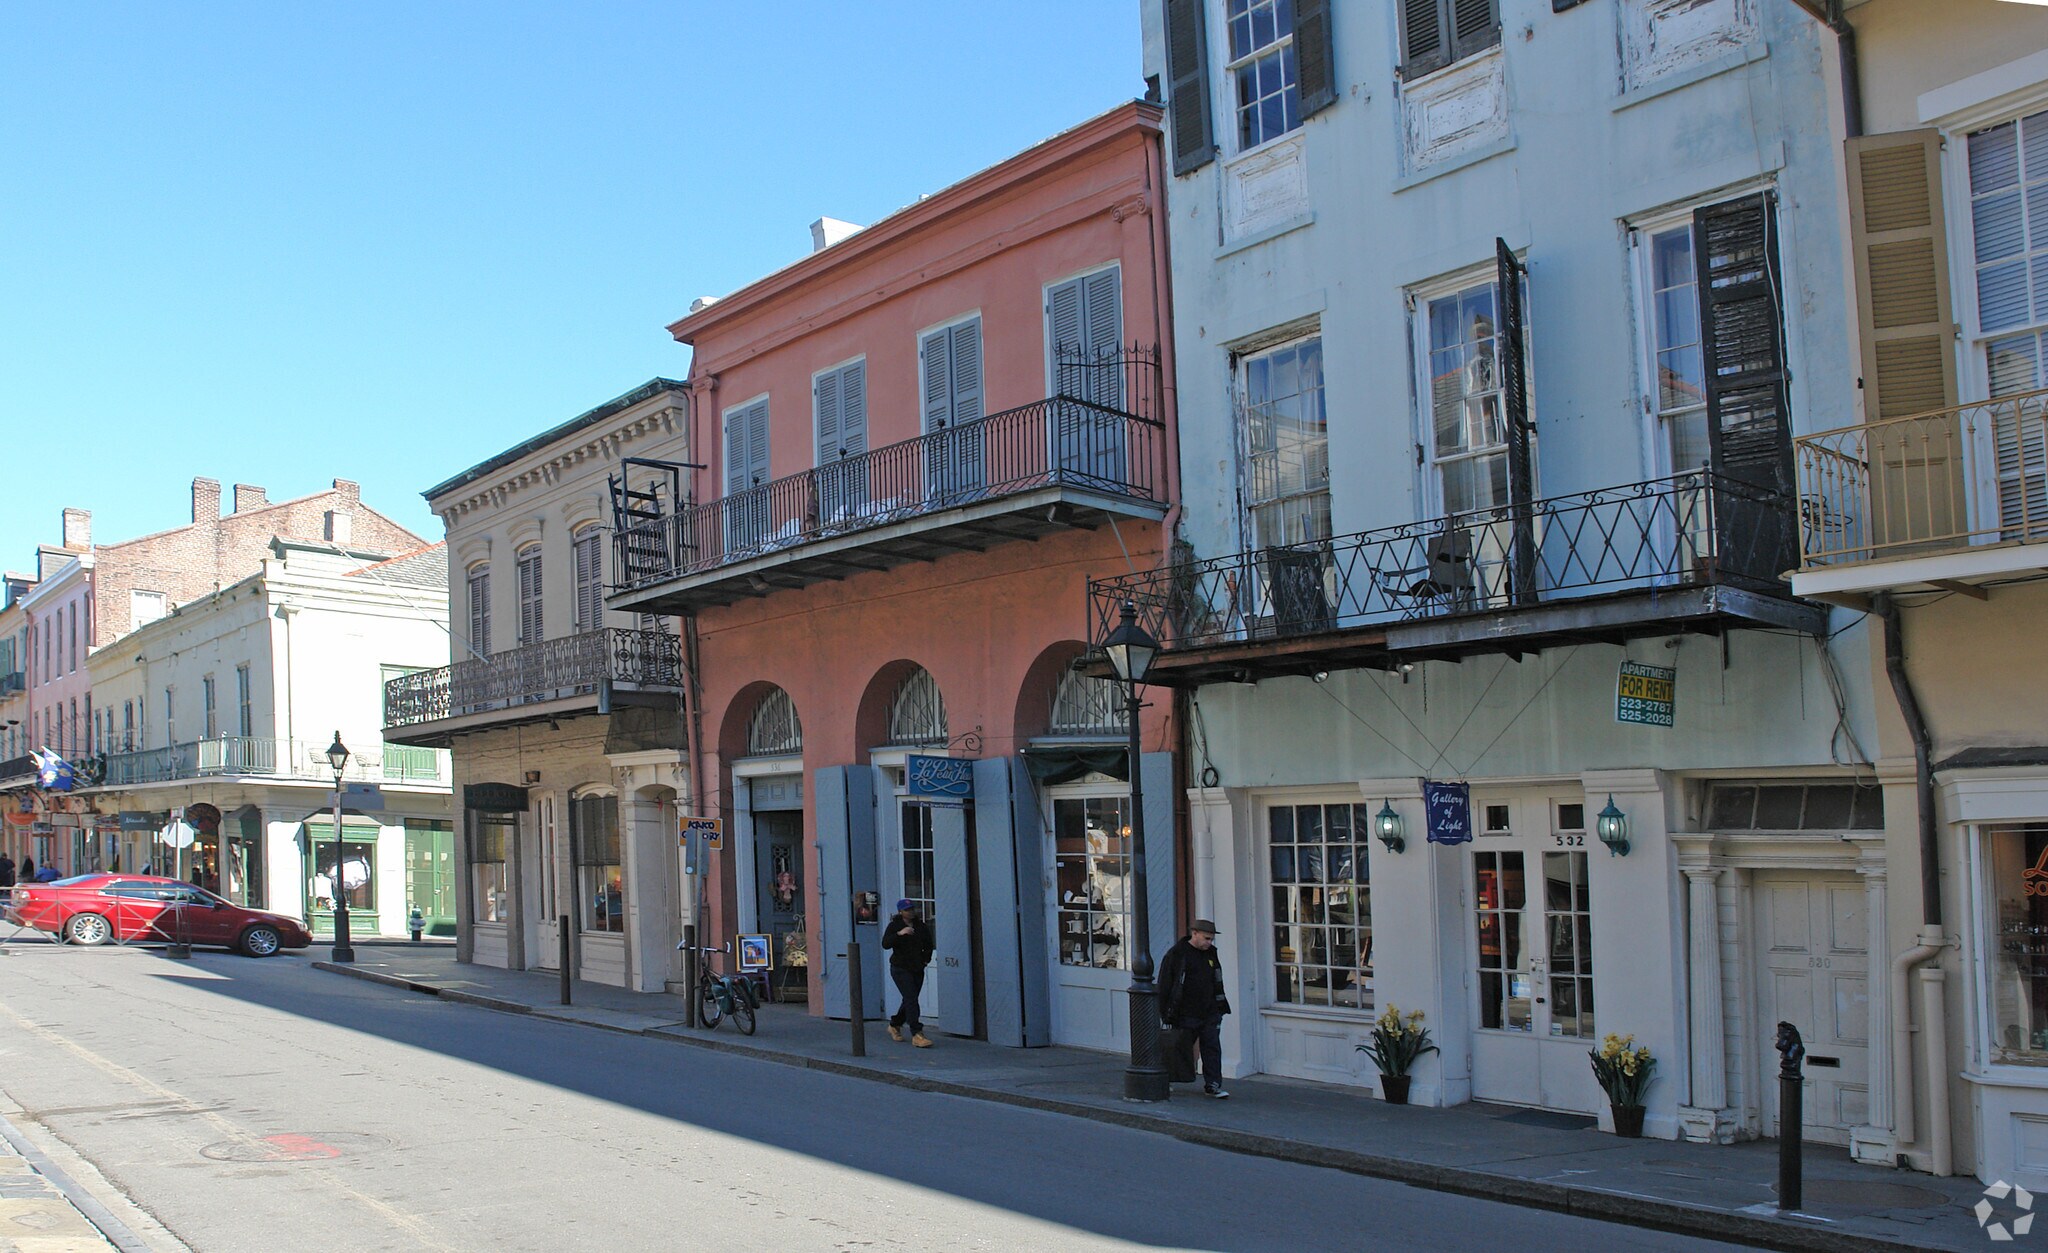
(480, 612)
(1902, 280)
(1102, 332)
(529, 597)
(1425, 42)
(1511, 347)
(1475, 26)
(1187, 85)
(1315, 66)
(853, 409)
(1742, 338)
(588, 551)
(825, 401)
(966, 354)
(1066, 338)
(1906, 323)
(737, 460)
(936, 360)
(757, 443)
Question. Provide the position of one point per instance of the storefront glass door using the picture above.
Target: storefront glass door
(911, 875)
(1088, 913)
(1532, 929)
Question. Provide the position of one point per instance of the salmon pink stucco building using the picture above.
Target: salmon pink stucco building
(917, 444)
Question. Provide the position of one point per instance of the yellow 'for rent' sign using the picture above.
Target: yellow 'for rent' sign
(1646, 694)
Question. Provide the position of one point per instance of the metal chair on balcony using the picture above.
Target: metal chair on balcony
(1442, 584)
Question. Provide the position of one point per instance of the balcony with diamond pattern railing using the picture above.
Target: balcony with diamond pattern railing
(585, 673)
(1693, 552)
(1093, 453)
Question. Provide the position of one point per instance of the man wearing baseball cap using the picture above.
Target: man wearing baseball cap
(909, 941)
(1191, 998)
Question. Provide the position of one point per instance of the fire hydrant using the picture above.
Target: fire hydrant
(416, 923)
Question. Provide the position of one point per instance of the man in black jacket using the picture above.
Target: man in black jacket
(910, 945)
(1191, 998)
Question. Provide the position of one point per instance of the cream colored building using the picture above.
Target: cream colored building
(1931, 513)
(564, 718)
(221, 713)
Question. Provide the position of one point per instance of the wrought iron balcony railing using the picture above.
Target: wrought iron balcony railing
(1109, 444)
(1688, 530)
(574, 665)
(1926, 483)
(265, 757)
(17, 769)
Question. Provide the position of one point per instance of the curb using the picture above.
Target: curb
(1626, 1209)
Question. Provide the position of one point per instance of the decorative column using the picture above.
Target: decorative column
(1705, 1118)
(1875, 1144)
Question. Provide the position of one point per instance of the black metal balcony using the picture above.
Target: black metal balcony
(1694, 552)
(17, 771)
(586, 673)
(1051, 465)
(13, 681)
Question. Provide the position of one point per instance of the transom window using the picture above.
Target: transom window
(1795, 807)
(1262, 71)
(1085, 705)
(774, 728)
(917, 711)
(1322, 904)
(1286, 434)
(1467, 413)
(1091, 868)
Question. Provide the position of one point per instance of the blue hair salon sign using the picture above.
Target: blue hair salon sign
(940, 780)
(1449, 809)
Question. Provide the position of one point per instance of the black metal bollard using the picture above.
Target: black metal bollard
(1791, 1115)
(562, 936)
(690, 976)
(856, 999)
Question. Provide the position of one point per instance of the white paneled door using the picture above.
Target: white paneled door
(1813, 955)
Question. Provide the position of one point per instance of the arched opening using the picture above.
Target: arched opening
(917, 711)
(774, 728)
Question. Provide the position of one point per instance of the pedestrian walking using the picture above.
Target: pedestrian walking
(1192, 999)
(909, 941)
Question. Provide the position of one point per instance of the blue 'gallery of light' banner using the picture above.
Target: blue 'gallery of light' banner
(1449, 808)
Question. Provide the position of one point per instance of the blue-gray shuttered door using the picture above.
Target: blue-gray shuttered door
(953, 932)
(844, 797)
(951, 361)
(1009, 851)
(1084, 327)
(841, 399)
(1161, 889)
(746, 470)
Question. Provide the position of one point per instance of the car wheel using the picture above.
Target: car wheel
(88, 929)
(261, 941)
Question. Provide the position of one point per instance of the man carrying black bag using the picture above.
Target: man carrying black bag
(1192, 1000)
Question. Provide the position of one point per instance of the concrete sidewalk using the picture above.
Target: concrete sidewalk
(1525, 1157)
(37, 1211)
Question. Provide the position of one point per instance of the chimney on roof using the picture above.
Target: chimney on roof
(350, 492)
(205, 500)
(702, 303)
(78, 529)
(826, 232)
(248, 497)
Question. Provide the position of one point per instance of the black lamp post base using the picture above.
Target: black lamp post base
(344, 952)
(1145, 1079)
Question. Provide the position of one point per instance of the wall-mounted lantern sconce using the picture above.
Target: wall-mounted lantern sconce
(1612, 825)
(1387, 825)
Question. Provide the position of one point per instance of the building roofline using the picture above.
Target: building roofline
(588, 418)
(1134, 115)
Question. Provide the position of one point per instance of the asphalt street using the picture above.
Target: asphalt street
(248, 1105)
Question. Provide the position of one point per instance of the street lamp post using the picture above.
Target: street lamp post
(1131, 651)
(344, 952)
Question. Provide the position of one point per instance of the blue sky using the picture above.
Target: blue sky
(284, 243)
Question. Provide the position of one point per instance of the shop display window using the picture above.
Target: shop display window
(2017, 861)
(1318, 857)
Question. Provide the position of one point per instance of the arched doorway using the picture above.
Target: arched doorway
(767, 826)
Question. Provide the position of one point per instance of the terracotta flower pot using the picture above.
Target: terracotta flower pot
(1628, 1120)
(1394, 1089)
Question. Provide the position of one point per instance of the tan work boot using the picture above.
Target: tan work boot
(895, 1033)
(920, 1041)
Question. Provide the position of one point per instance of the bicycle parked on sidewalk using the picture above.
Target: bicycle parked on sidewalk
(725, 996)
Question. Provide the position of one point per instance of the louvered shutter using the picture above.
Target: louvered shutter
(737, 460)
(1512, 349)
(588, 552)
(757, 443)
(1187, 85)
(1742, 338)
(967, 371)
(1315, 65)
(853, 409)
(1475, 26)
(825, 403)
(935, 358)
(842, 438)
(1103, 332)
(480, 612)
(1424, 43)
(1063, 331)
(1899, 240)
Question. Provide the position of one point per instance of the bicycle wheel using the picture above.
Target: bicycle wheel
(743, 1013)
(708, 1010)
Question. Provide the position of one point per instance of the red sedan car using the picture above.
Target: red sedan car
(95, 908)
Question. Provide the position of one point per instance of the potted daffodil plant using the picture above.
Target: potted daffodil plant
(1398, 1040)
(1623, 1069)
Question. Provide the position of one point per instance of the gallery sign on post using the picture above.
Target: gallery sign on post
(1448, 808)
(1646, 694)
